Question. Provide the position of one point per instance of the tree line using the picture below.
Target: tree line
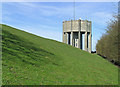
(108, 45)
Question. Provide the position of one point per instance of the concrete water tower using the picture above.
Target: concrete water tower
(72, 33)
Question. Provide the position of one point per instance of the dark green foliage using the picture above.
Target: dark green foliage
(107, 46)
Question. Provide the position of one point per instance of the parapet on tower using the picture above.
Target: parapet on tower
(72, 33)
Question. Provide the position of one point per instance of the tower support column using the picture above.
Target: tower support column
(67, 38)
(79, 41)
(63, 38)
(72, 38)
(86, 42)
(89, 41)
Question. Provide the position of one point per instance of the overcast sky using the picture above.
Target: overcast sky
(45, 18)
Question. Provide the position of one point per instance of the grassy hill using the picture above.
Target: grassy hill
(32, 60)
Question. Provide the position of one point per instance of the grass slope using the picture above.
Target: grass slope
(32, 60)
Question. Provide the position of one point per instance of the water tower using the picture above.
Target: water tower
(72, 33)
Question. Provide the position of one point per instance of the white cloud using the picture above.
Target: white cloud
(26, 8)
(102, 18)
(36, 12)
(44, 31)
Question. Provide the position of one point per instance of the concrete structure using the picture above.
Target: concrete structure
(72, 33)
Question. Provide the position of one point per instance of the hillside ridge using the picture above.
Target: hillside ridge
(32, 60)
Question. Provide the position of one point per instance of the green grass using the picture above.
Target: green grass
(32, 60)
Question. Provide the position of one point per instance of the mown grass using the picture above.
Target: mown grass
(32, 60)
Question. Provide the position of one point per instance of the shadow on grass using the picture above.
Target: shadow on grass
(25, 50)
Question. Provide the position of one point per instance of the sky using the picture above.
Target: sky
(45, 18)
